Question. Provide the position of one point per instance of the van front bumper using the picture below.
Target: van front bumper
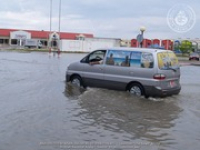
(156, 92)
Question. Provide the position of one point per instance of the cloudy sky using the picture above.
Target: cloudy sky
(103, 18)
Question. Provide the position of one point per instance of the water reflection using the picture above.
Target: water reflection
(120, 112)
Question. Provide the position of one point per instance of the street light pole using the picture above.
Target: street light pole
(142, 29)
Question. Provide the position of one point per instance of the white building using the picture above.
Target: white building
(88, 44)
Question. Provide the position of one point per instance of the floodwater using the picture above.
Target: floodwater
(39, 111)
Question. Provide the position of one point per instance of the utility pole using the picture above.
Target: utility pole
(50, 26)
(50, 13)
(59, 26)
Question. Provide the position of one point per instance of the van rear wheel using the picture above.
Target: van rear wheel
(136, 89)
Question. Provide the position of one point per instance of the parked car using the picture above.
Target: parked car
(148, 72)
(33, 43)
(194, 56)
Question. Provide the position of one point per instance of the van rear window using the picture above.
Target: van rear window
(167, 60)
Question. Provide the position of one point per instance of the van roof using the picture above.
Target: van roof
(136, 49)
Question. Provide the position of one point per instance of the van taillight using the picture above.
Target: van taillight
(159, 76)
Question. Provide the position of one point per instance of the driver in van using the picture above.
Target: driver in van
(98, 62)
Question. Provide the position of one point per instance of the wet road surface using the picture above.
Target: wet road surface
(39, 111)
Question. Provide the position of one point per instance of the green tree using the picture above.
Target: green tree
(186, 46)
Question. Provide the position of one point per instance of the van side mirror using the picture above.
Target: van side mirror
(85, 60)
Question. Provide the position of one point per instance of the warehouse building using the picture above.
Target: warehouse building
(14, 37)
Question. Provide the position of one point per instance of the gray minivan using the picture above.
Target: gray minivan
(148, 72)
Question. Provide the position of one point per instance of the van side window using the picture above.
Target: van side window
(135, 59)
(118, 58)
(97, 56)
(147, 60)
(141, 59)
(94, 57)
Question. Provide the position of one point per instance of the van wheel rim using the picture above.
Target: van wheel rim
(135, 90)
(76, 82)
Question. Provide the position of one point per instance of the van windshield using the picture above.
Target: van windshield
(167, 60)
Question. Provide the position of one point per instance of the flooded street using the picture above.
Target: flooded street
(39, 111)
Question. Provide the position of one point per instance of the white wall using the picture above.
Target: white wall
(71, 45)
(88, 45)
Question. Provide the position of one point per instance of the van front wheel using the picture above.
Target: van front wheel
(136, 89)
(77, 81)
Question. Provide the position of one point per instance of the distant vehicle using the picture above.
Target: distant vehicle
(33, 43)
(148, 72)
(194, 56)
